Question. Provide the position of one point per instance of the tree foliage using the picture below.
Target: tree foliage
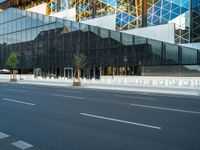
(12, 60)
(79, 59)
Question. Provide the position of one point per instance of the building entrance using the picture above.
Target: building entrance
(68, 72)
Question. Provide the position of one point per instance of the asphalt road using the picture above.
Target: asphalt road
(65, 118)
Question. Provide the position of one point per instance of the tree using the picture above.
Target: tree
(12, 62)
(79, 61)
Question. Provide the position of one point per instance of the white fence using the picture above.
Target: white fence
(179, 82)
(19, 77)
(185, 82)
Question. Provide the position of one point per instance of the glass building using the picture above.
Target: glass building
(129, 14)
(45, 45)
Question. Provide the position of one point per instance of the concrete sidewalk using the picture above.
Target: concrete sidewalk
(97, 85)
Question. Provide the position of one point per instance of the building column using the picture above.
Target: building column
(94, 73)
(58, 5)
(144, 13)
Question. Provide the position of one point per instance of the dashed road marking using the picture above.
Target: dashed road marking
(135, 97)
(121, 121)
(3, 135)
(68, 96)
(17, 101)
(70, 91)
(22, 145)
(169, 109)
(15, 90)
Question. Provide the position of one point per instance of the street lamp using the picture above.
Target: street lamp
(125, 63)
(100, 72)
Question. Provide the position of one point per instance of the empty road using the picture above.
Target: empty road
(37, 117)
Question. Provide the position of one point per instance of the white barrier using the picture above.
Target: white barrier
(150, 81)
(185, 82)
(19, 77)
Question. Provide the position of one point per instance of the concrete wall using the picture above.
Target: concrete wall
(41, 9)
(69, 14)
(107, 22)
(165, 33)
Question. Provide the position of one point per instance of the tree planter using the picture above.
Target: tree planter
(13, 80)
(76, 82)
(13, 77)
(12, 61)
(79, 61)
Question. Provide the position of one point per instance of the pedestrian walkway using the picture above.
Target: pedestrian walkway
(90, 84)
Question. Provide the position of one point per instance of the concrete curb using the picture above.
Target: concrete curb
(178, 91)
(167, 91)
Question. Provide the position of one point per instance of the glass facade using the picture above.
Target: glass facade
(48, 43)
(130, 14)
(195, 22)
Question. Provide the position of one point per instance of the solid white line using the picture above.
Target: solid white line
(16, 90)
(3, 135)
(134, 97)
(169, 109)
(68, 96)
(16, 101)
(22, 145)
(145, 93)
(121, 121)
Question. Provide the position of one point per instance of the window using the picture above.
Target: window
(155, 48)
(127, 39)
(171, 54)
(189, 56)
(75, 26)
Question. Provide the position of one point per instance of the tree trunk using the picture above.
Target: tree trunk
(78, 68)
(14, 75)
(11, 75)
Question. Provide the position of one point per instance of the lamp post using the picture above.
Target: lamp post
(125, 63)
(100, 72)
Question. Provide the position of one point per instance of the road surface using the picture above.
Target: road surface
(37, 117)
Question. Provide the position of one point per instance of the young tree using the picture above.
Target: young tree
(79, 61)
(12, 62)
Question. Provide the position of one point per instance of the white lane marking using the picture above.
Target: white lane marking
(68, 96)
(26, 87)
(144, 93)
(135, 97)
(16, 90)
(22, 145)
(165, 95)
(17, 101)
(121, 121)
(70, 91)
(3, 135)
(169, 109)
(2, 86)
(175, 96)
